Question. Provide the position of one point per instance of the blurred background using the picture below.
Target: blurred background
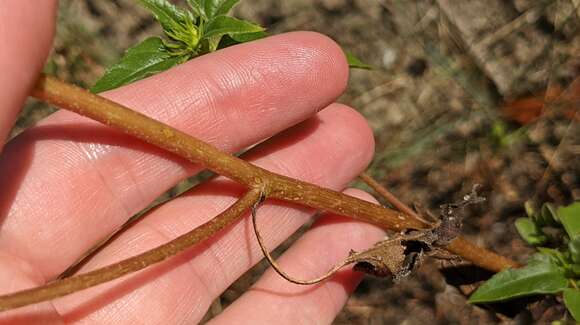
(462, 93)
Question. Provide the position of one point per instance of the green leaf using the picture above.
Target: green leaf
(248, 37)
(530, 232)
(574, 249)
(557, 257)
(570, 217)
(169, 16)
(198, 7)
(572, 302)
(543, 258)
(225, 25)
(210, 9)
(227, 40)
(547, 216)
(575, 270)
(144, 59)
(530, 209)
(177, 24)
(540, 278)
(355, 63)
(219, 7)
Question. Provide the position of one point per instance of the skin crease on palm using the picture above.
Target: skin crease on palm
(69, 181)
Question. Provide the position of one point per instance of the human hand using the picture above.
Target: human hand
(69, 181)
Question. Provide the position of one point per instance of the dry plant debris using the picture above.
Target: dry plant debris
(395, 257)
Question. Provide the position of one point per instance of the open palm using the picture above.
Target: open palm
(69, 181)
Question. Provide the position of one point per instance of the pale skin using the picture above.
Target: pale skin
(70, 181)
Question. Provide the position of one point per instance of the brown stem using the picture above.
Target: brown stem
(66, 286)
(479, 256)
(78, 100)
(269, 184)
(387, 195)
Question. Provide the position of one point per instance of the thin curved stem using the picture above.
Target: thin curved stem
(277, 267)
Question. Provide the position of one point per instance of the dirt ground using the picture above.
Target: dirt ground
(438, 100)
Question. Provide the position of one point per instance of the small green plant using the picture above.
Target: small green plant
(554, 269)
(503, 137)
(204, 28)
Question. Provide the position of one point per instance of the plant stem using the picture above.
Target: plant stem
(260, 182)
(67, 286)
(80, 101)
(479, 256)
(387, 195)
